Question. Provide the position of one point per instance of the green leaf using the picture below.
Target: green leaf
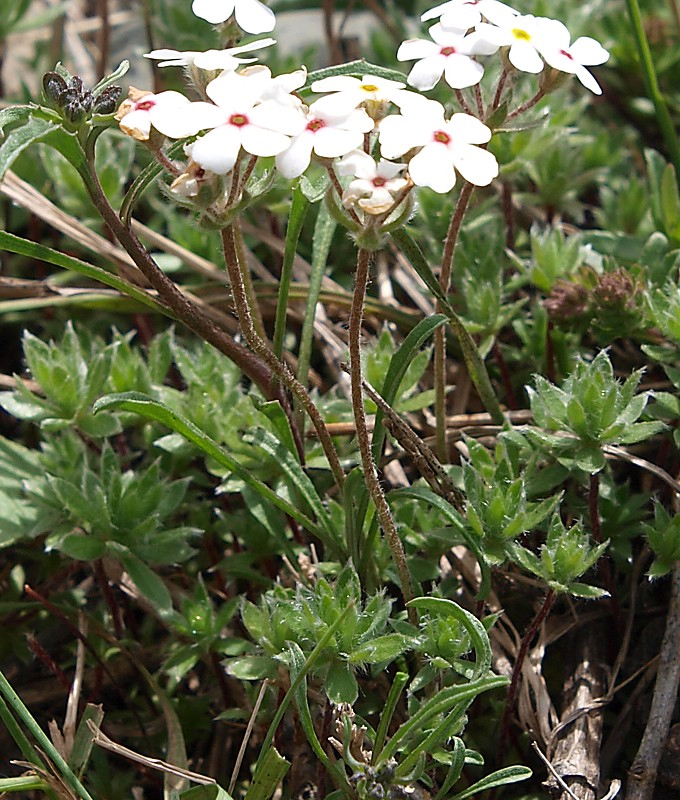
(119, 72)
(499, 778)
(14, 114)
(251, 668)
(383, 649)
(271, 770)
(15, 244)
(442, 607)
(146, 580)
(399, 364)
(357, 69)
(290, 465)
(341, 685)
(18, 139)
(427, 495)
(210, 792)
(81, 546)
(145, 406)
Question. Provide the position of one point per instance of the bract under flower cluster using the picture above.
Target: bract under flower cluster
(247, 110)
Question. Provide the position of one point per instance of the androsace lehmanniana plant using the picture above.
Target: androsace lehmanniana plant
(372, 143)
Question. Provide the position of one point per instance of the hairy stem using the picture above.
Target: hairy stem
(370, 472)
(439, 335)
(261, 349)
(171, 295)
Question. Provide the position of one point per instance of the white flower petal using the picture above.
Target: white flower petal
(218, 150)
(425, 73)
(462, 18)
(389, 170)
(432, 167)
(213, 11)
(416, 48)
(285, 119)
(254, 17)
(523, 56)
(357, 163)
(136, 124)
(262, 142)
(332, 142)
(292, 162)
(588, 51)
(588, 81)
(179, 122)
(465, 127)
(461, 71)
(397, 136)
(474, 164)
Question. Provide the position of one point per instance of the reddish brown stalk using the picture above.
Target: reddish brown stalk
(527, 639)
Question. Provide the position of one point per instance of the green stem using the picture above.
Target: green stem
(663, 116)
(364, 440)
(439, 336)
(298, 210)
(263, 351)
(43, 741)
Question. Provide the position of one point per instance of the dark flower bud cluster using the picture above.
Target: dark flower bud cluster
(76, 103)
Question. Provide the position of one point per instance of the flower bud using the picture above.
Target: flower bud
(106, 101)
(54, 87)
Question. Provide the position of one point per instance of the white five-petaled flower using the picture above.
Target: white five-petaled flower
(449, 53)
(461, 15)
(349, 93)
(210, 60)
(245, 120)
(327, 135)
(251, 15)
(574, 58)
(166, 111)
(375, 185)
(521, 33)
(446, 146)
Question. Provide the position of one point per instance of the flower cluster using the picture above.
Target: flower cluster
(471, 28)
(378, 136)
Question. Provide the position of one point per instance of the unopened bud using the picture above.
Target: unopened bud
(107, 100)
(54, 87)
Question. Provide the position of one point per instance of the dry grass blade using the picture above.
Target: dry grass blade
(154, 763)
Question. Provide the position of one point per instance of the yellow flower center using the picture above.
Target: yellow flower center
(520, 34)
(369, 87)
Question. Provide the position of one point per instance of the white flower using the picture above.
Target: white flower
(329, 136)
(375, 185)
(251, 15)
(277, 88)
(559, 54)
(349, 93)
(261, 128)
(461, 15)
(167, 112)
(447, 146)
(449, 53)
(521, 33)
(210, 60)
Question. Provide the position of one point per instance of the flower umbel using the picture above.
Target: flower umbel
(461, 15)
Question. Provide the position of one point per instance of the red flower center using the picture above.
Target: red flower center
(145, 105)
(315, 125)
(239, 120)
(568, 55)
(447, 51)
(378, 182)
(442, 137)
